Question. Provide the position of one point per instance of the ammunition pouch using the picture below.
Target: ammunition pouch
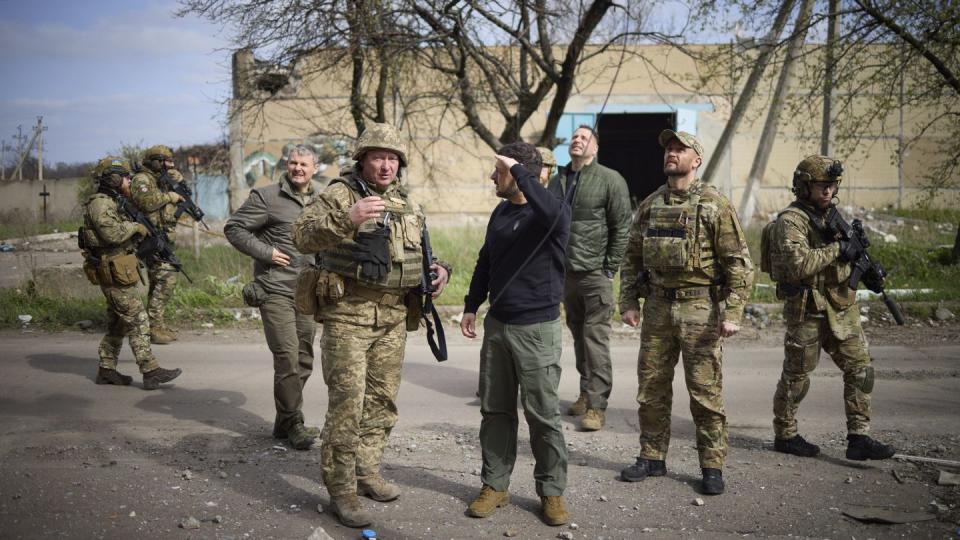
(254, 295)
(90, 270)
(841, 297)
(414, 303)
(121, 270)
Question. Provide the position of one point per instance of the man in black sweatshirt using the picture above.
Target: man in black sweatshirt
(521, 268)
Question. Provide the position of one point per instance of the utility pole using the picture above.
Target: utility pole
(39, 135)
(19, 136)
(3, 159)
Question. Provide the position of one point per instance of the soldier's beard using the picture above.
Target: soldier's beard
(508, 192)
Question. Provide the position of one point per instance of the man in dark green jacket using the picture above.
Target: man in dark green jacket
(262, 229)
(598, 237)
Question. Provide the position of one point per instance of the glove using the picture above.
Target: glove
(174, 197)
(175, 175)
(373, 252)
(142, 230)
(849, 251)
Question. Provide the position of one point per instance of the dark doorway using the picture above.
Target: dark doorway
(628, 144)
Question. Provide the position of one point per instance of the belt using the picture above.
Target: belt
(680, 293)
(374, 295)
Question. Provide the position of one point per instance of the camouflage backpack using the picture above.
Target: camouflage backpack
(768, 246)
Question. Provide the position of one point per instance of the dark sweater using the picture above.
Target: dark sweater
(513, 233)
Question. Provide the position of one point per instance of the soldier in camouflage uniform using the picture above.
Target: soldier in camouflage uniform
(159, 205)
(548, 166)
(109, 242)
(687, 255)
(812, 273)
(367, 231)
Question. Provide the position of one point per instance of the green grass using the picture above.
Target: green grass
(49, 313)
(14, 228)
(936, 215)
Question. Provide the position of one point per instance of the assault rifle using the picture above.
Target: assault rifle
(439, 345)
(156, 246)
(186, 204)
(863, 268)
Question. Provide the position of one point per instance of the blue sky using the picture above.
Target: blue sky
(106, 73)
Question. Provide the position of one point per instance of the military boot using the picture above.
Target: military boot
(349, 511)
(593, 420)
(161, 336)
(153, 379)
(377, 488)
(578, 407)
(862, 448)
(712, 483)
(797, 446)
(487, 502)
(280, 433)
(112, 376)
(554, 511)
(299, 437)
(643, 468)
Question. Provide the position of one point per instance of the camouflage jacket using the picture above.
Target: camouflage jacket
(708, 237)
(153, 200)
(264, 222)
(324, 227)
(601, 217)
(106, 231)
(810, 265)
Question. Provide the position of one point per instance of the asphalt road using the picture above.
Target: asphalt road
(87, 461)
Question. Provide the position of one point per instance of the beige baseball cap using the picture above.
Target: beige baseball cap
(687, 139)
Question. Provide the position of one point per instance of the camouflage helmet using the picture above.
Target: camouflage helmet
(157, 151)
(547, 157)
(383, 136)
(815, 168)
(111, 170)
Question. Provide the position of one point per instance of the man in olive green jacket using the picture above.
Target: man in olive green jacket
(262, 229)
(598, 237)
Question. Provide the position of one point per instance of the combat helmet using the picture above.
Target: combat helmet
(110, 171)
(383, 136)
(547, 157)
(157, 152)
(815, 168)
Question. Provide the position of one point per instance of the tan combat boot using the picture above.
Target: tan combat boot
(161, 336)
(578, 407)
(487, 502)
(377, 488)
(593, 420)
(554, 511)
(348, 510)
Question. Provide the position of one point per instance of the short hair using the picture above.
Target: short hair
(593, 132)
(525, 153)
(303, 150)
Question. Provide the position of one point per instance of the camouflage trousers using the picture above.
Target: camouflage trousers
(802, 345)
(126, 317)
(672, 329)
(290, 338)
(163, 278)
(361, 368)
(588, 300)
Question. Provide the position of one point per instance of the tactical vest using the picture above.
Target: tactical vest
(405, 224)
(674, 240)
(88, 239)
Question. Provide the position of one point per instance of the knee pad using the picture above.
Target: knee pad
(803, 391)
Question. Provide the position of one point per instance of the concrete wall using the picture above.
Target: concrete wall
(22, 200)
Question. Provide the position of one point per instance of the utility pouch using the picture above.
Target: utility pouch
(414, 303)
(123, 269)
(254, 295)
(306, 297)
(90, 270)
(841, 297)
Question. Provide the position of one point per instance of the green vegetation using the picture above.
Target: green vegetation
(914, 261)
(936, 215)
(16, 226)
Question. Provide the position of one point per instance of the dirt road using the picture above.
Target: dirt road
(87, 461)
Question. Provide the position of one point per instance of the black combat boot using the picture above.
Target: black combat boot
(112, 376)
(153, 379)
(797, 446)
(643, 468)
(862, 448)
(712, 483)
